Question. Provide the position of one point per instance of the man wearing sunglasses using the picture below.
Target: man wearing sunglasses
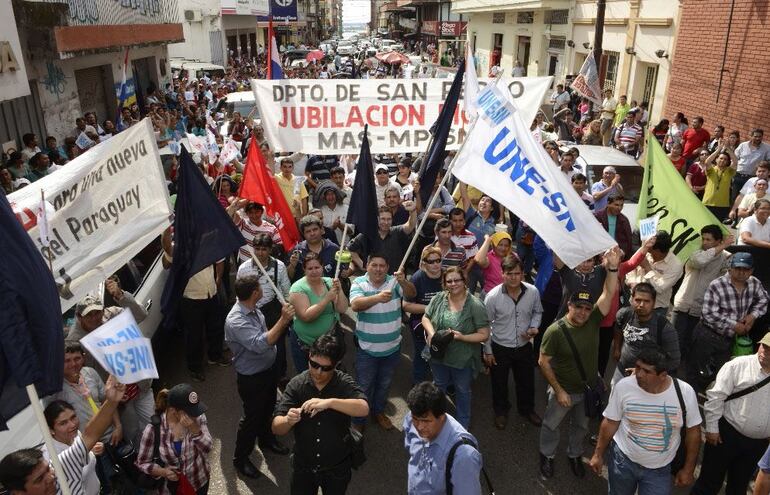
(318, 404)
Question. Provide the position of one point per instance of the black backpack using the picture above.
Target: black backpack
(450, 461)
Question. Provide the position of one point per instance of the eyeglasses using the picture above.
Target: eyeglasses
(452, 281)
(432, 262)
(318, 366)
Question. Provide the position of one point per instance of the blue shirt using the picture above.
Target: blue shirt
(427, 460)
(328, 250)
(764, 463)
(246, 336)
(478, 226)
(612, 223)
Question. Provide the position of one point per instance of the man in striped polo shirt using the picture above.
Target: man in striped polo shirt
(251, 225)
(376, 297)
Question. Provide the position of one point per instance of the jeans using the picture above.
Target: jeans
(552, 419)
(420, 368)
(332, 481)
(684, 324)
(626, 476)
(520, 361)
(374, 375)
(203, 327)
(736, 457)
(475, 279)
(444, 376)
(299, 355)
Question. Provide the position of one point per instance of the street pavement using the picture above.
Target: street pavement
(510, 456)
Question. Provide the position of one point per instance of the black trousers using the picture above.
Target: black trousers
(684, 324)
(332, 481)
(736, 457)
(549, 316)
(272, 313)
(708, 353)
(203, 327)
(521, 361)
(257, 394)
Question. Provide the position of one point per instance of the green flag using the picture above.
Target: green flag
(665, 193)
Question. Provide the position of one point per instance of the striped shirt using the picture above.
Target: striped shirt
(456, 256)
(466, 240)
(379, 327)
(250, 231)
(73, 459)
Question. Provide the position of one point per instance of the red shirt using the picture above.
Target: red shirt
(692, 140)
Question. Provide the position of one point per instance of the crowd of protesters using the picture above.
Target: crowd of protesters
(481, 293)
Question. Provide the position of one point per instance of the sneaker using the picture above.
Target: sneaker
(223, 361)
(546, 467)
(577, 467)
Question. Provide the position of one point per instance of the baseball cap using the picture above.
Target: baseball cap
(379, 167)
(88, 304)
(184, 398)
(253, 205)
(582, 296)
(742, 260)
(766, 339)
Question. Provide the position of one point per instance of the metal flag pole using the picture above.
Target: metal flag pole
(433, 198)
(269, 280)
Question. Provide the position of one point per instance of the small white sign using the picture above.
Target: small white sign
(648, 227)
(84, 142)
(120, 348)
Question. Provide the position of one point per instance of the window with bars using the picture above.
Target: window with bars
(611, 71)
(498, 18)
(526, 17)
(556, 16)
(650, 81)
(557, 43)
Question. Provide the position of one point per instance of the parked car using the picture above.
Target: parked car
(346, 48)
(196, 69)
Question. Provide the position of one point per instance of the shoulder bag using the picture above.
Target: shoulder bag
(747, 391)
(450, 461)
(593, 402)
(681, 453)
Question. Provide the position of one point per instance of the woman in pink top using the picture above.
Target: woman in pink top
(490, 260)
(607, 325)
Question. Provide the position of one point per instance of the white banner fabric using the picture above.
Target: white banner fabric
(110, 203)
(120, 348)
(503, 159)
(327, 117)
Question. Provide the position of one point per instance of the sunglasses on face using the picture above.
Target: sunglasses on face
(318, 366)
(432, 262)
(452, 281)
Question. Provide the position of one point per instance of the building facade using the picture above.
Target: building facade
(74, 52)
(722, 64)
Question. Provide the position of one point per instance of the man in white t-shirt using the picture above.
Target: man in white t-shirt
(608, 115)
(642, 426)
(755, 230)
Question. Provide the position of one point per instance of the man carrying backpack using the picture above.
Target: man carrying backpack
(639, 326)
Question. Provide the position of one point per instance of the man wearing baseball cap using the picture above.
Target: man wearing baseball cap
(731, 305)
(736, 422)
(560, 367)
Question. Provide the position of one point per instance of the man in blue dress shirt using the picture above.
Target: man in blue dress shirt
(254, 352)
(430, 435)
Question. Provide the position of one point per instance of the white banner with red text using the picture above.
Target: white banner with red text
(108, 204)
(327, 117)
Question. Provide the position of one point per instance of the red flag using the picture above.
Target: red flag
(259, 185)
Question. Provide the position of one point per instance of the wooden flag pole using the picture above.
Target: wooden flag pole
(34, 402)
(342, 248)
(269, 280)
(433, 200)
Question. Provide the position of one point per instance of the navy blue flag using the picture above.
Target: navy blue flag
(362, 211)
(203, 234)
(434, 158)
(31, 331)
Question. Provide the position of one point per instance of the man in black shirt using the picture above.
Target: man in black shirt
(318, 404)
(392, 241)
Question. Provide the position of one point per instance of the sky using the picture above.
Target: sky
(356, 11)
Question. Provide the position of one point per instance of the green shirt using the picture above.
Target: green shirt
(717, 192)
(563, 363)
(309, 331)
(620, 113)
(469, 320)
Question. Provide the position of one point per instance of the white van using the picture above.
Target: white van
(196, 69)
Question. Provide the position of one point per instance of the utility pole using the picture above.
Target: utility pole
(601, 6)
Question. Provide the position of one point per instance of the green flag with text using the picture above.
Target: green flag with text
(666, 194)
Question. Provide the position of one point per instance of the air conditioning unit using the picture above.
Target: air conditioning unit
(192, 15)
